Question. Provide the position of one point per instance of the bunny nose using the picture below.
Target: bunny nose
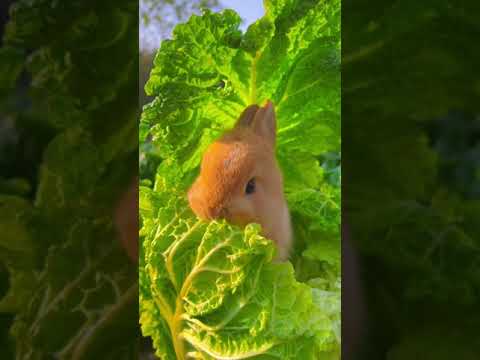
(217, 213)
(196, 203)
(223, 213)
(204, 210)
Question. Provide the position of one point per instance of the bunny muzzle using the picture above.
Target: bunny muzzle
(205, 210)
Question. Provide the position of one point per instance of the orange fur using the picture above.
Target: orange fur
(243, 153)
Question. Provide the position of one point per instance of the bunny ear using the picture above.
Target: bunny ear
(265, 123)
(246, 118)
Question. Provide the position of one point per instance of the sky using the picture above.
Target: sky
(249, 11)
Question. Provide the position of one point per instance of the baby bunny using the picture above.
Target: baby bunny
(241, 182)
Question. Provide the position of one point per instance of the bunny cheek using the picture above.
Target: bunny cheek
(240, 212)
(240, 219)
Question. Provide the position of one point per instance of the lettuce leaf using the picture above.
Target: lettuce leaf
(410, 112)
(210, 291)
(72, 291)
(209, 73)
(67, 276)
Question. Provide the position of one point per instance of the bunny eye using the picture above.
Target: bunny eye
(250, 188)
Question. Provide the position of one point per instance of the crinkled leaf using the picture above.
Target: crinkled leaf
(213, 283)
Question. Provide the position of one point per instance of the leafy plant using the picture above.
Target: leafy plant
(158, 17)
(71, 291)
(210, 290)
(411, 198)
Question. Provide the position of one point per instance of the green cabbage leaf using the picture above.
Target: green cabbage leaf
(68, 290)
(210, 290)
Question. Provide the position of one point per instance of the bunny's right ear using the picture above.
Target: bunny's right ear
(247, 116)
(265, 123)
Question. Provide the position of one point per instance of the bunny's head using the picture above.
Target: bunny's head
(241, 181)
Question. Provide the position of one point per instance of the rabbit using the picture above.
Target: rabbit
(240, 180)
(126, 220)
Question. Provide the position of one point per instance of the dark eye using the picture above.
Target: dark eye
(250, 188)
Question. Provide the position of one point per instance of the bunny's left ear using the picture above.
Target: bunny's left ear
(265, 123)
(246, 118)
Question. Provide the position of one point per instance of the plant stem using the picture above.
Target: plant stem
(253, 78)
(176, 328)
